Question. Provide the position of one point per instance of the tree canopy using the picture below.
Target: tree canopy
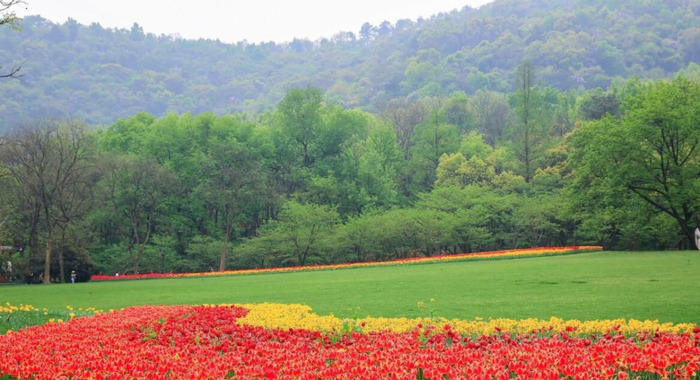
(651, 152)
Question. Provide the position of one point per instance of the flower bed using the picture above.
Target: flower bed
(513, 253)
(197, 342)
(295, 316)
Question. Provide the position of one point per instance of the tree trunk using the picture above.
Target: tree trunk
(134, 264)
(33, 250)
(691, 240)
(60, 266)
(687, 230)
(47, 262)
(139, 254)
(222, 262)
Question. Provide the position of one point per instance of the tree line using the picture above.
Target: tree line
(312, 182)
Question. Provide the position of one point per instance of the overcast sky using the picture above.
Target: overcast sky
(237, 20)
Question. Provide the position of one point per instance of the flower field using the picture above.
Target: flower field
(290, 342)
(513, 253)
(297, 316)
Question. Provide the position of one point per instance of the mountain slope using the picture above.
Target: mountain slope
(99, 75)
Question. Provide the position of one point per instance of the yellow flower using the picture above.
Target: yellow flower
(282, 316)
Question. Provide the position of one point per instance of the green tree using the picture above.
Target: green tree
(595, 104)
(367, 173)
(404, 116)
(465, 220)
(126, 135)
(233, 185)
(49, 166)
(455, 170)
(301, 233)
(491, 113)
(305, 228)
(527, 106)
(300, 120)
(136, 192)
(536, 219)
(652, 152)
(203, 254)
(266, 249)
(459, 112)
(431, 140)
(479, 218)
(339, 128)
(360, 236)
(473, 144)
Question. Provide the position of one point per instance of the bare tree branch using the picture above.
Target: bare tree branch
(12, 73)
(9, 18)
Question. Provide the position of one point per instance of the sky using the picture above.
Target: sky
(237, 20)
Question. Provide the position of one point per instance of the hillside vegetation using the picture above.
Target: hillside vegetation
(99, 75)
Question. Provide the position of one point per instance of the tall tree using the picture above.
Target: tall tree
(405, 115)
(526, 105)
(652, 151)
(49, 166)
(432, 139)
(136, 190)
(300, 120)
(234, 186)
(491, 113)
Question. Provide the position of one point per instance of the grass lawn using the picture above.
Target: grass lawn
(587, 286)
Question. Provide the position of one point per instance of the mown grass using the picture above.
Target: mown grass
(587, 286)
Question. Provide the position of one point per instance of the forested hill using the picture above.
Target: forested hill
(100, 75)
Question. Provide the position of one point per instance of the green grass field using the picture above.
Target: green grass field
(596, 285)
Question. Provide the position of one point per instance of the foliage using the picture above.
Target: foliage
(354, 186)
(651, 152)
(300, 234)
(100, 74)
(48, 167)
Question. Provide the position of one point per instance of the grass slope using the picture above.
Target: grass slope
(597, 285)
